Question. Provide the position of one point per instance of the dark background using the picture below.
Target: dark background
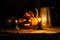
(16, 8)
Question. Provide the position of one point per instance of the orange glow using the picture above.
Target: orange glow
(34, 21)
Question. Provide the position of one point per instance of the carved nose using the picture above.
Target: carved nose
(27, 21)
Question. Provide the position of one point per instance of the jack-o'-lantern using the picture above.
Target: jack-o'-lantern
(28, 21)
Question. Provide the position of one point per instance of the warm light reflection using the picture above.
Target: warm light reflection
(36, 13)
(44, 20)
(43, 16)
(39, 19)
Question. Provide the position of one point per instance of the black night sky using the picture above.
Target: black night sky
(16, 8)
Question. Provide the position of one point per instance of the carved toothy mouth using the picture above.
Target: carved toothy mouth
(26, 24)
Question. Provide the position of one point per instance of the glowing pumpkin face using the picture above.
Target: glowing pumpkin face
(34, 21)
(29, 22)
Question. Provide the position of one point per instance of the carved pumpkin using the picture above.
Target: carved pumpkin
(29, 22)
